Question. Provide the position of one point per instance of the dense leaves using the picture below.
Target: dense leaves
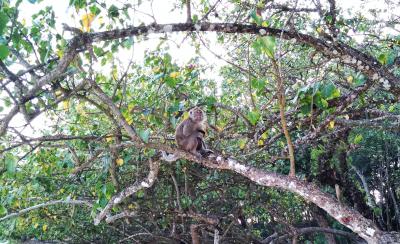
(61, 141)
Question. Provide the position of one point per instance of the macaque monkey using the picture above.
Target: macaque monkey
(190, 133)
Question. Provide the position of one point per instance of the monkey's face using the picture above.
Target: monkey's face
(196, 114)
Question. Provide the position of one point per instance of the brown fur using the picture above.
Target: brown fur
(190, 133)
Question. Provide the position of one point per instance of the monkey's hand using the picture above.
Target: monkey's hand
(169, 157)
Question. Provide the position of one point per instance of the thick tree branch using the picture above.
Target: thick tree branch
(307, 230)
(345, 215)
(347, 55)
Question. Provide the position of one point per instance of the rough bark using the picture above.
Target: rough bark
(347, 216)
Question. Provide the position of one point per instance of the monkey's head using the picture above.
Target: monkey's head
(196, 114)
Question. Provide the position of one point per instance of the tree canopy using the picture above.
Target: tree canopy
(302, 104)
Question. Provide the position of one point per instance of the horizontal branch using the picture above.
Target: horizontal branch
(46, 204)
(27, 140)
(330, 48)
(307, 230)
(378, 123)
(124, 214)
(333, 49)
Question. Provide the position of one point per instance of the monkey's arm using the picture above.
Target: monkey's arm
(187, 128)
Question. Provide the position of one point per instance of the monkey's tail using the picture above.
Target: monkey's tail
(204, 151)
(169, 157)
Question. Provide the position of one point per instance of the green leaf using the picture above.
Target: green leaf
(79, 4)
(359, 80)
(3, 210)
(94, 10)
(265, 44)
(4, 51)
(382, 58)
(144, 134)
(320, 102)
(255, 17)
(3, 22)
(210, 101)
(270, 45)
(327, 90)
(357, 139)
(253, 117)
(11, 163)
(171, 82)
(113, 11)
(140, 194)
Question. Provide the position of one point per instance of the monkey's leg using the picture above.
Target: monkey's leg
(202, 147)
(190, 145)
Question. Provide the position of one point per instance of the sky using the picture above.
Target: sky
(66, 14)
(183, 53)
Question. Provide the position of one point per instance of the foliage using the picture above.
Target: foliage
(339, 118)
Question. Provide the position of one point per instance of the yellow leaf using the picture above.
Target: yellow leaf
(44, 228)
(264, 135)
(16, 204)
(331, 124)
(260, 142)
(87, 20)
(115, 74)
(242, 143)
(133, 206)
(60, 53)
(35, 225)
(350, 79)
(319, 29)
(185, 115)
(58, 93)
(65, 104)
(174, 74)
(119, 161)
(156, 69)
(129, 121)
(23, 22)
(80, 109)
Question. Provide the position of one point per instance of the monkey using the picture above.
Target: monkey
(190, 133)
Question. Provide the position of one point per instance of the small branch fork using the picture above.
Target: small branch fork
(137, 186)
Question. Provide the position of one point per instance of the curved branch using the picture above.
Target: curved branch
(146, 183)
(347, 216)
(333, 49)
(344, 214)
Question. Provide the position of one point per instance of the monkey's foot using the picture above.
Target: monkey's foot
(206, 152)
